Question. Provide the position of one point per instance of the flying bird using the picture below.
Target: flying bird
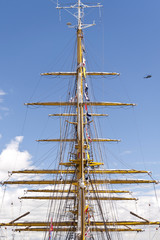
(148, 76)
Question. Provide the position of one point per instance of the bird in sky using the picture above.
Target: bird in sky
(148, 76)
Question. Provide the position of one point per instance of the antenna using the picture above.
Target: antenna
(77, 11)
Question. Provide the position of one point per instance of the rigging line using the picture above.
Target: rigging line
(61, 91)
(52, 201)
(135, 235)
(44, 128)
(99, 146)
(48, 214)
(89, 12)
(37, 207)
(94, 61)
(150, 174)
(35, 89)
(64, 134)
(119, 236)
(6, 179)
(58, 219)
(44, 156)
(49, 152)
(124, 88)
(24, 122)
(73, 65)
(156, 196)
(3, 197)
(70, 233)
(96, 135)
(114, 213)
(155, 191)
(20, 208)
(120, 160)
(53, 161)
(54, 2)
(124, 208)
(96, 132)
(108, 77)
(103, 39)
(61, 54)
(67, 237)
(155, 234)
(98, 201)
(138, 136)
(65, 59)
(95, 221)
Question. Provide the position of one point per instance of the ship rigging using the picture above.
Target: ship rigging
(80, 192)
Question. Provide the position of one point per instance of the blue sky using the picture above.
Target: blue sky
(125, 39)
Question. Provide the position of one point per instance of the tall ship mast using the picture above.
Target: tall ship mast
(81, 195)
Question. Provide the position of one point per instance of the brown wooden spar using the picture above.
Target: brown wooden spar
(74, 197)
(74, 115)
(96, 171)
(74, 191)
(109, 104)
(74, 229)
(72, 223)
(105, 181)
(75, 74)
(75, 140)
(16, 219)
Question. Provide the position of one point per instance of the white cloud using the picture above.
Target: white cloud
(126, 152)
(2, 93)
(4, 109)
(11, 158)
(152, 162)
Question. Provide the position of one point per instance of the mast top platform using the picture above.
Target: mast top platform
(79, 14)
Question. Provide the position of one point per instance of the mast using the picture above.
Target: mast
(81, 168)
(80, 136)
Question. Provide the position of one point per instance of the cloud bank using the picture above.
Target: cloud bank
(12, 158)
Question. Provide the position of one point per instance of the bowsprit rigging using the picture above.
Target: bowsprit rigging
(80, 192)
